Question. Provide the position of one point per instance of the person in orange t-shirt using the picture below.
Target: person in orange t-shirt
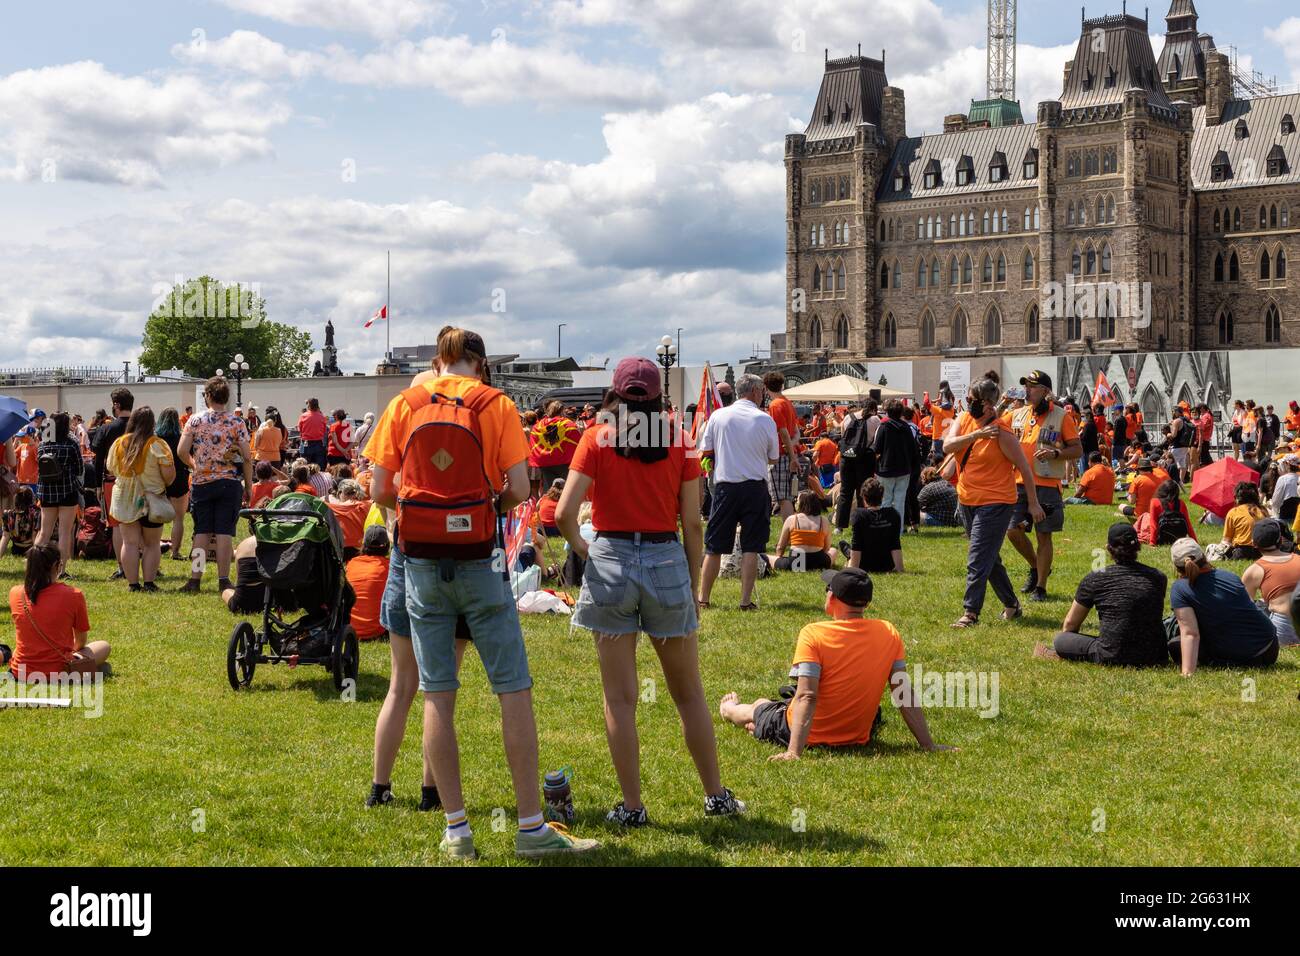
(1097, 486)
(988, 456)
(1142, 489)
(368, 575)
(351, 508)
(1050, 439)
(941, 417)
(51, 622)
(826, 456)
(842, 667)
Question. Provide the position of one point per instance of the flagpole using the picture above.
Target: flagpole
(388, 308)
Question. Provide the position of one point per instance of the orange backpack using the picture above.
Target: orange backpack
(446, 507)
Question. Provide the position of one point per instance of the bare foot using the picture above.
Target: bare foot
(727, 700)
(1045, 653)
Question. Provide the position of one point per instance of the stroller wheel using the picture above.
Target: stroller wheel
(241, 655)
(346, 657)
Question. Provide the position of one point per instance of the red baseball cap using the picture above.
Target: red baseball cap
(637, 379)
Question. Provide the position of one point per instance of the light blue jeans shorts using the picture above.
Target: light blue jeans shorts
(630, 585)
(484, 598)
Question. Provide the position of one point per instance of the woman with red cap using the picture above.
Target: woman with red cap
(644, 480)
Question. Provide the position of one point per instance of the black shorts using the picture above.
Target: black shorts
(770, 723)
(743, 503)
(812, 561)
(215, 506)
(250, 589)
(70, 500)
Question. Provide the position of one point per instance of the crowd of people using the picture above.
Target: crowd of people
(648, 508)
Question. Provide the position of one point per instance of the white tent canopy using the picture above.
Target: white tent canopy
(841, 388)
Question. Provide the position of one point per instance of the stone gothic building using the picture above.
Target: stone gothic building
(1146, 209)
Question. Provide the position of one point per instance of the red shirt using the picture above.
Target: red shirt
(554, 442)
(59, 611)
(629, 495)
(546, 511)
(312, 426)
(782, 412)
(340, 439)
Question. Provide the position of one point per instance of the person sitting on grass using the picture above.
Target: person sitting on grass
(21, 523)
(300, 479)
(1240, 521)
(877, 532)
(51, 623)
(1167, 520)
(546, 509)
(937, 500)
(1218, 623)
(268, 479)
(350, 507)
(1275, 577)
(1096, 485)
(368, 575)
(805, 542)
(1141, 490)
(842, 667)
(1129, 597)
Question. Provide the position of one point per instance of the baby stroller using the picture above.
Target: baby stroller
(300, 559)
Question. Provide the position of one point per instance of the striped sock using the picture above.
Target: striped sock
(531, 824)
(458, 824)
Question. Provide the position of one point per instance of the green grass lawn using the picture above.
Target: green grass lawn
(1082, 765)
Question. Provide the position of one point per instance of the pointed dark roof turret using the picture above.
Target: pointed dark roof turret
(851, 93)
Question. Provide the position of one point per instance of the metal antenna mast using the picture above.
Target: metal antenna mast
(1002, 50)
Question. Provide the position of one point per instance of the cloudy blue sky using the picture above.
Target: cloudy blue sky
(611, 164)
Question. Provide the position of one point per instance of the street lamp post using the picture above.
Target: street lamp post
(238, 367)
(559, 339)
(667, 353)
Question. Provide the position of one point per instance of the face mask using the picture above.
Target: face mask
(976, 409)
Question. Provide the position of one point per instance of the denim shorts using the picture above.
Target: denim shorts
(392, 608)
(483, 597)
(215, 506)
(630, 586)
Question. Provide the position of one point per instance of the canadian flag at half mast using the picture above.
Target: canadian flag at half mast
(380, 313)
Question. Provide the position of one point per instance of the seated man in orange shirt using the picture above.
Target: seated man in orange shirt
(1097, 485)
(826, 456)
(368, 575)
(1141, 491)
(842, 666)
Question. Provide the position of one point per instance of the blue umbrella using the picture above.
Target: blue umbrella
(13, 417)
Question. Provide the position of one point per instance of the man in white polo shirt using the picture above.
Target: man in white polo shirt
(743, 441)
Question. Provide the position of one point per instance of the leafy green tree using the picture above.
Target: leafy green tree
(199, 325)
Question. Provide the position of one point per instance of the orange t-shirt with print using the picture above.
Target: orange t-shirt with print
(986, 476)
(939, 419)
(504, 444)
(856, 656)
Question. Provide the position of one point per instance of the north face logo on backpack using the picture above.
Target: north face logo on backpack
(460, 524)
(443, 460)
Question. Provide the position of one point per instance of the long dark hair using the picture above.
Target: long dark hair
(169, 426)
(656, 438)
(42, 562)
(1169, 494)
(62, 425)
(139, 429)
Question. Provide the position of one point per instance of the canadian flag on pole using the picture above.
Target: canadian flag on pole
(380, 313)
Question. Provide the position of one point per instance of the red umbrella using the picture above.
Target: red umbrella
(1213, 485)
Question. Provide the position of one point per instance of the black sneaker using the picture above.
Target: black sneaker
(380, 794)
(117, 575)
(150, 587)
(429, 799)
(724, 805)
(630, 819)
(844, 549)
(224, 584)
(189, 587)
(1031, 581)
(135, 587)
(1038, 594)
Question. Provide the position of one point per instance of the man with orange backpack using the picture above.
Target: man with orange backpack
(460, 450)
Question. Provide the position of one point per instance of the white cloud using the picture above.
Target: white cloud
(1287, 35)
(81, 122)
(383, 19)
(247, 51)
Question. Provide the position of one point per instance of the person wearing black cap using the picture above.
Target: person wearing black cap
(1274, 577)
(842, 667)
(1050, 439)
(1129, 597)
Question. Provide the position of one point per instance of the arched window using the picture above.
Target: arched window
(1265, 265)
(1092, 261)
(927, 331)
(960, 330)
(1006, 221)
(1028, 219)
(1234, 267)
(1218, 267)
(898, 273)
(1083, 213)
(922, 273)
(1073, 326)
(841, 278)
(986, 222)
(1069, 215)
(821, 240)
(1031, 326)
(934, 273)
(812, 235)
(1110, 208)
(1263, 217)
(817, 278)
(1101, 210)
(967, 271)
(884, 275)
(1002, 268)
(1272, 216)
(1284, 216)
(891, 333)
(1236, 219)
(953, 278)
(1272, 325)
(952, 224)
(1027, 267)
(1076, 267)
(1037, 218)
(1279, 265)
(987, 272)
(1105, 259)
(1218, 221)
(1106, 317)
(882, 230)
(815, 333)
(970, 223)
(1225, 327)
(841, 332)
(993, 327)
